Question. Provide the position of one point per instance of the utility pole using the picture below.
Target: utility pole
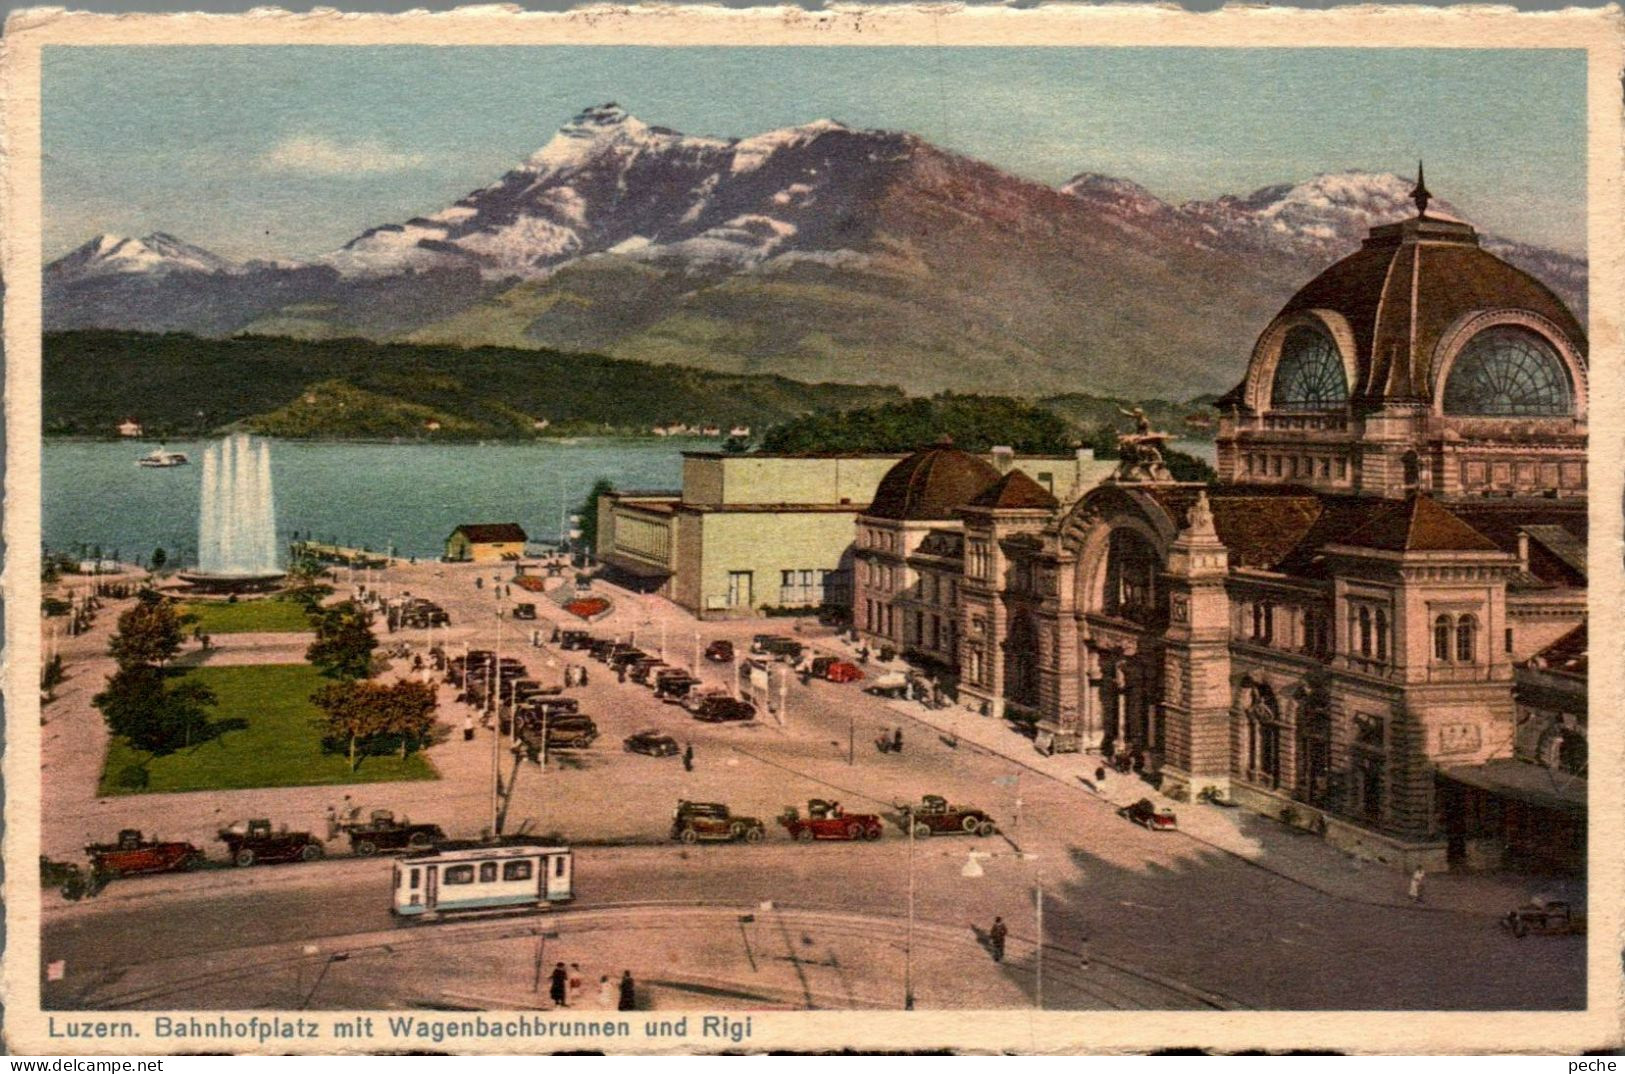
(496, 727)
(1038, 989)
(696, 667)
(908, 946)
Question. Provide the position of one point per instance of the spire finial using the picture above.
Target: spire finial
(1420, 194)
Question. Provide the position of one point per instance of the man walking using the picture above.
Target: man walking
(629, 992)
(468, 727)
(688, 758)
(557, 984)
(996, 936)
(1416, 884)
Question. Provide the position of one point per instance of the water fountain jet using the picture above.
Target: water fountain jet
(237, 547)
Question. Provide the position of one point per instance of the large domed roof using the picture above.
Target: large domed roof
(931, 484)
(1401, 293)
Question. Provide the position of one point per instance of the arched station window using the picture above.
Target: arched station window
(1508, 372)
(1309, 376)
(1466, 639)
(1441, 638)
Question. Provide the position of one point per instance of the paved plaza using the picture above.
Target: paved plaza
(1233, 909)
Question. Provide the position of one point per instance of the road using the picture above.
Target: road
(1159, 901)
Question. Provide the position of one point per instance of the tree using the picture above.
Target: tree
(348, 713)
(589, 513)
(142, 706)
(159, 558)
(409, 713)
(344, 641)
(360, 713)
(149, 634)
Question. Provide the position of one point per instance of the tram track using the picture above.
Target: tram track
(1107, 982)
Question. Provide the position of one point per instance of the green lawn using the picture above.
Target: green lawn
(279, 747)
(247, 616)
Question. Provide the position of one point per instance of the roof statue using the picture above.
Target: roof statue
(1141, 451)
(1199, 520)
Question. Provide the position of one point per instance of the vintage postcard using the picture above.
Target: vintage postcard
(685, 530)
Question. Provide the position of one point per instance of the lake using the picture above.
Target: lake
(410, 496)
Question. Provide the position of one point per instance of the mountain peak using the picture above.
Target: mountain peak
(159, 253)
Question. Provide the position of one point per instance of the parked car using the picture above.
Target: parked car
(934, 816)
(252, 842)
(776, 646)
(720, 652)
(132, 855)
(626, 658)
(1147, 815)
(575, 639)
(694, 822)
(842, 671)
(674, 685)
(699, 696)
(1544, 916)
(643, 671)
(382, 832)
(759, 642)
(889, 684)
(600, 648)
(651, 743)
(524, 611)
(724, 709)
(827, 820)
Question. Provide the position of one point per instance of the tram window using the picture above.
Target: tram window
(516, 870)
(488, 872)
(458, 874)
(415, 873)
(558, 866)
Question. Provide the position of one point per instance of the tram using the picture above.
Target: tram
(468, 877)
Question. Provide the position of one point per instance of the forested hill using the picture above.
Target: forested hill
(181, 385)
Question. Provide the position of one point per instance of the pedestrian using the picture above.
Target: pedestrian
(606, 992)
(897, 741)
(996, 936)
(575, 983)
(620, 672)
(468, 727)
(629, 993)
(1100, 774)
(1416, 884)
(558, 982)
(332, 822)
(688, 758)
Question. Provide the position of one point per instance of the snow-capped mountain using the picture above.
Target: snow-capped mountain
(156, 254)
(608, 182)
(819, 252)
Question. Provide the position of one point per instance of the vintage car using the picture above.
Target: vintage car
(524, 611)
(720, 652)
(564, 730)
(382, 832)
(575, 639)
(132, 855)
(644, 670)
(600, 648)
(827, 820)
(1544, 916)
(889, 684)
(626, 657)
(251, 842)
(673, 684)
(723, 709)
(842, 671)
(1147, 815)
(776, 646)
(651, 743)
(69, 879)
(700, 696)
(934, 816)
(694, 822)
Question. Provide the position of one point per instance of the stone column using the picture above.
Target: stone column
(1196, 662)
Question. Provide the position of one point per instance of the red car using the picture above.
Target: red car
(841, 671)
(1147, 815)
(827, 820)
(133, 855)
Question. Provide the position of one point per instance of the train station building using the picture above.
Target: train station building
(1372, 626)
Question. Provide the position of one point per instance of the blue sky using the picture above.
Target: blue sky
(291, 151)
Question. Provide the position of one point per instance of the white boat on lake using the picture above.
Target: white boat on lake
(160, 459)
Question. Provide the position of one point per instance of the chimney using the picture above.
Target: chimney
(1004, 458)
